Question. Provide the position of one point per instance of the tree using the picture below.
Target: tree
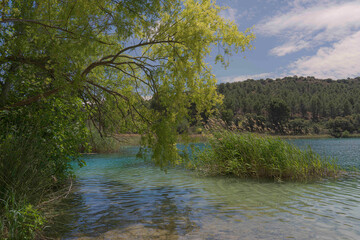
(306, 97)
(227, 115)
(339, 125)
(303, 109)
(346, 108)
(315, 108)
(113, 55)
(278, 114)
(298, 126)
(64, 63)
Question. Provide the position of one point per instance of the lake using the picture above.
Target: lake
(120, 197)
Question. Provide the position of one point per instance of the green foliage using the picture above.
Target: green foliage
(250, 156)
(298, 126)
(253, 123)
(182, 126)
(67, 63)
(278, 114)
(199, 130)
(113, 56)
(37, 145)
(316, 128)
(19, 220)
(227, 115)
(356, 122)
(44, 137)
(339, 125)
(315, 101)
(101, 143)
(315, 108)
(345, 134)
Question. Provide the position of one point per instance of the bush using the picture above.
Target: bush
(246, 155)
(278, 114)
(19, 220)
(38, 144)
(253, 123)
(298, 126)
(316, 129)
(345, 134)
(339, 125)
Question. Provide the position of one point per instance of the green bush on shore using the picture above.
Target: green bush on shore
(28, 175)
(19, 220)
(38, 145)
(251, 156)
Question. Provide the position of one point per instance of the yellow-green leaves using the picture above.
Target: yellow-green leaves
(135, 65)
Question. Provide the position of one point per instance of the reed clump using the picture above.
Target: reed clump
(253, 156)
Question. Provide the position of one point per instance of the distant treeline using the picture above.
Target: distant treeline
(293, 105)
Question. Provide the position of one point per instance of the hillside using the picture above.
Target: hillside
(294, 105)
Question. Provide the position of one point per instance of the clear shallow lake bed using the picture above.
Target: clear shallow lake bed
(117, 196)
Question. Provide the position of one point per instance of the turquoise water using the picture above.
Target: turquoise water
(120, 197)
(347, 150)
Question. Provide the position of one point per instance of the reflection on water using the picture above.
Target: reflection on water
(120, 197)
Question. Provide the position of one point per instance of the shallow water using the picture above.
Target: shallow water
(121, 197)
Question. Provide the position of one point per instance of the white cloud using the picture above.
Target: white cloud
(229, 14)
(290, 47)
(307, 25)
(330, 29)
(246, 77)
(339, 61)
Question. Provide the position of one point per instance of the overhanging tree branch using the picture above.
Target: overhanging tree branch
(42, 61)
(32, 99)
(6, 20)
(107, 90)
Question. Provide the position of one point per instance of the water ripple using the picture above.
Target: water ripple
(115, 195)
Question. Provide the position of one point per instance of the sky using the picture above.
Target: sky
(319, 38)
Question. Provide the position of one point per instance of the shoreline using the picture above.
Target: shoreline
(127, 140)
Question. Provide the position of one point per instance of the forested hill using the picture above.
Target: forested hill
(307, 98)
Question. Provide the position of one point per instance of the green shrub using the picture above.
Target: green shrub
(38, 144)
(253, 123)
(19, 220)
(298, 126)
(339, 125)
(345, 134)
(246, 155)
(316, 129)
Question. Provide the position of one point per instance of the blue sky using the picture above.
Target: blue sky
(295, 37)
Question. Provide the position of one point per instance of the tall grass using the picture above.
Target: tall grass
(251, 156)
(38, 145)
(27, 176)
(32, 171)
(19, 219)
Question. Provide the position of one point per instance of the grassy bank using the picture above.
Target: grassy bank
(27, 178)
(35, 166)
(253, 156)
